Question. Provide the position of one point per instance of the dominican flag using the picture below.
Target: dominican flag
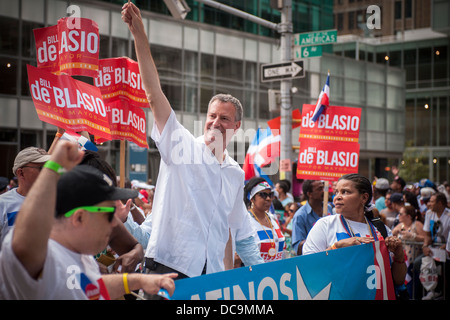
(323, 101)
(264, 149)
(83, 142)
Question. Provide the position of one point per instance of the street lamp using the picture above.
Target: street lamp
(178, 8)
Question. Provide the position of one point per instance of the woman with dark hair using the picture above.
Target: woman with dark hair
(352, 224)
(258, 198)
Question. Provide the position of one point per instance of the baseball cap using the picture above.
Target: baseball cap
(426, 193)
(425, 183)
(396, 197)
(382, 184)
(30, 154)
(85, 185)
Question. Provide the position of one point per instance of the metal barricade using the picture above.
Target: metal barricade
(413, 249)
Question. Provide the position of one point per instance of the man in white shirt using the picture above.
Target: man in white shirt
(27, 166)
(437, 229)
(65, 219)
(199, 191)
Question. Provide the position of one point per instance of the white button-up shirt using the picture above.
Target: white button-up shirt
(197, 200)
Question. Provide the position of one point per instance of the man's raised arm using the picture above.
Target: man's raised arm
(158, 102)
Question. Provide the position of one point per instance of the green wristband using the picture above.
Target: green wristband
(52, 165)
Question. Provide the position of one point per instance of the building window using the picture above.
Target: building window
(398, 10)
(9, 72)
(340, 21)
(351, 20)
(408, 8)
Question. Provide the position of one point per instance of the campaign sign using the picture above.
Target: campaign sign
(72, 47)
(359, 272)
(126, 122)
(47, 54)
(326, 160)
(119, 79)
(68, 103)
(334, 124)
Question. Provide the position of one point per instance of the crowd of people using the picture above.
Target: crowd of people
(69, 232)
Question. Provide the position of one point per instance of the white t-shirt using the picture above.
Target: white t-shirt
(331, 229)
(66, 276)
(197, 201)
(10, 203)
(271, 242)
(431, 219)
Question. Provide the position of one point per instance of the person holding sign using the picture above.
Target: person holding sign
(74, 208)
(352, 225)
(199, 190)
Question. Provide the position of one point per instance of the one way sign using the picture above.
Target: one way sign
(280, 71)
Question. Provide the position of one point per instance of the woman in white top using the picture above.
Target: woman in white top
(350, 226)
(269, 237)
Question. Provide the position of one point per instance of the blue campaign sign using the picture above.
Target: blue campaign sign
(351, 273)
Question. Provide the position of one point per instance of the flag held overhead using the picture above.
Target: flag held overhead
(323, 102)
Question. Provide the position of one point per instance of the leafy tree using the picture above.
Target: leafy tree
(414, 165)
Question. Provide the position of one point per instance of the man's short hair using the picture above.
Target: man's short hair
(223, 97)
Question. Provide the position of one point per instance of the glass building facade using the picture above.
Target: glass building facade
(426, 61)
(208, 53)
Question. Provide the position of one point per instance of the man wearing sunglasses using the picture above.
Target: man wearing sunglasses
(66, 218)
(27, 166)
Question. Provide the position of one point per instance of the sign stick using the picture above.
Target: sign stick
(325, 198)
(122, 163)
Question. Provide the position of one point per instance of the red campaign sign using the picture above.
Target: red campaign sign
(79, 46)
(72, 47)
(334, 124)
(47, 55)
(127, 122)
(326, 160)
(119, 79)
(68, 103)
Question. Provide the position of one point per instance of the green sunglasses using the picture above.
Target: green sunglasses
(111, 211)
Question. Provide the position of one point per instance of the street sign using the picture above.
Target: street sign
(306, 52)
(280, 71)
(315, 38)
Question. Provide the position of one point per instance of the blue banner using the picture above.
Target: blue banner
(353, 273)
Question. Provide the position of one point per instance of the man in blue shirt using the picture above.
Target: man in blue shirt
(307, 215)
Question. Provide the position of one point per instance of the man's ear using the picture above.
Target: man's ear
(237, 126)
(78, 217)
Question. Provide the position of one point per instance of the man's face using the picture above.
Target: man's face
(220, 124)
(317, 191)
(28, 174)
(433, 205)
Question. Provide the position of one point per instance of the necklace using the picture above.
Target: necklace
(349, 229)
(272, 251)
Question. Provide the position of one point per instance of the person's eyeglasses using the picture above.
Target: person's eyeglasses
(265, 195)
(110, 210)
(36, 167)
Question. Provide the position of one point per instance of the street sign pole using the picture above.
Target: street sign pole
(286, 29)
